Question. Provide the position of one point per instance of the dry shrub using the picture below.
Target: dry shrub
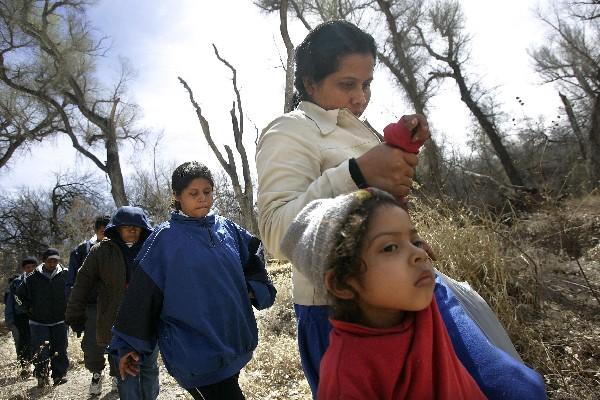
(521, 270)
(275, 371)
(472, 249)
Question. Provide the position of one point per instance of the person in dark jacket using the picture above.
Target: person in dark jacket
(109, 267)
(199, 276)
(17, 320)
(93, 354)
(42, 295)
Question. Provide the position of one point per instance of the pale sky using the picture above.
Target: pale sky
(166, 39)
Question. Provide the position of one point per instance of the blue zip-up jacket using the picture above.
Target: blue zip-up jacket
(76, 258)
(190, 293)
(11, 308)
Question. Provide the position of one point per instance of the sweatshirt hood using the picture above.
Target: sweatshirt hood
(128, 215)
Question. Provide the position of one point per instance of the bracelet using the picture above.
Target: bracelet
(356, 174)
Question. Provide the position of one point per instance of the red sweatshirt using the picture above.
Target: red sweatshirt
(414, 360)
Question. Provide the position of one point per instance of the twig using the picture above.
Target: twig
(587, 281)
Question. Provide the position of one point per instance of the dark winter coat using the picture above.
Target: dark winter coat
(105, 268)
(76, 259)
(43, 297)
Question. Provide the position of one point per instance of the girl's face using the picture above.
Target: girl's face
(197, 198)
(348, 87)
(399, 274)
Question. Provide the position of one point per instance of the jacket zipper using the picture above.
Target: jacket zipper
(210, 235)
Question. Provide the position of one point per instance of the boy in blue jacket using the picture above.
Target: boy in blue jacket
(199, 276)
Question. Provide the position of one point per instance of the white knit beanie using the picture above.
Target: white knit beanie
(308, 243)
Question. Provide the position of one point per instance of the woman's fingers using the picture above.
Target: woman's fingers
(388, 168)
(418, 125)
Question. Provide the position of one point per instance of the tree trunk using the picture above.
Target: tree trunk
(289, 68)
(574, 124)
(594, 143)
(511, 172)
(113, 166)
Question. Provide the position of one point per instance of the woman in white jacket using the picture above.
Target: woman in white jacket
(321, 150)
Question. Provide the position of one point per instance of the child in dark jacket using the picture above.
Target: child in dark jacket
(108, 268)
(199, 276)
(389, 339)
(42, 295)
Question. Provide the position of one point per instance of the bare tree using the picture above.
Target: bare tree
(151, 189)
(446, 22)
(32, 220)
(410, 64)
(586, 10)
(47, 56)
(571, 60)
(245, 196)
(22, 123)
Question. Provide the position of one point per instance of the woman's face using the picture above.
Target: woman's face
(197, 198)
(348, 87)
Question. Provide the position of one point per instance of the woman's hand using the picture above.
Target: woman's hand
(417, 124)
(388, 168)
(128, 364)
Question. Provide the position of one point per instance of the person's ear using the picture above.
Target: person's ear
(309, 86)
(341, 292)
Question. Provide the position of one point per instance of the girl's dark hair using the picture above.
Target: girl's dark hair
(186, 173)
(346, 258)
(319, 53)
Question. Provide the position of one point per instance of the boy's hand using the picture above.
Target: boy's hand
(128, 364)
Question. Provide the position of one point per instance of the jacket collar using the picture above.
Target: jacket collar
(56, 271)
(326, 120)
(209, 219)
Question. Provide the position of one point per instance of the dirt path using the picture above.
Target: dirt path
(13, 388)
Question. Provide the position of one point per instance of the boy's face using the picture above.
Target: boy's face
(100, 233)
(197, 198)
(28, 268)
(399, 274)
(51, 263)
(130, 233)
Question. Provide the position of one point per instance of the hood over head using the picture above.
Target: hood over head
(128, 215)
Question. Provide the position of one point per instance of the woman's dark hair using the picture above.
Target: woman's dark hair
(319, 53)
(346, 258)
(186, 173)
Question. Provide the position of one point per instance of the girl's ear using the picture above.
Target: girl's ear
(343, 293)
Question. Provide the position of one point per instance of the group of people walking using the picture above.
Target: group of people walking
(375, 319)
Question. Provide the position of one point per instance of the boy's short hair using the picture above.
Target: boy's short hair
(29, 260)
(101, 221)
(51, 253)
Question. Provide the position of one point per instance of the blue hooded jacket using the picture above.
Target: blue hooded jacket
(191, 295)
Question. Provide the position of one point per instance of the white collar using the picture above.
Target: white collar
(326, 120)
